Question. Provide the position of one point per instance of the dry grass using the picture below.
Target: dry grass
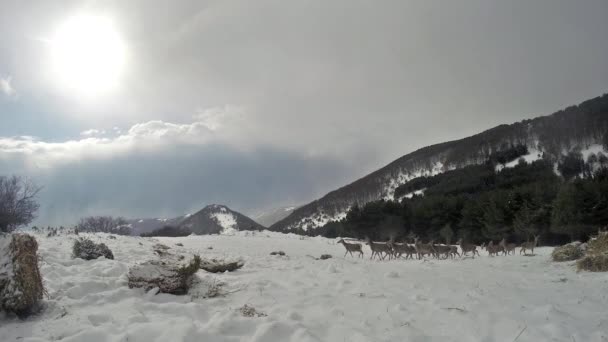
(569, 252)
(22, 294)
(596, 258)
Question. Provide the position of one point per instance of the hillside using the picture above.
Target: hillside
(272, 216)
(146, 225)
(215, 219)
(551, 137)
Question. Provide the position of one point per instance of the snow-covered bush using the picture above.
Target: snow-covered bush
(167, 276)
(596, 257)
(21, 286)
(572, 251)
(88, 250)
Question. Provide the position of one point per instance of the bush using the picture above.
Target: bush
(89, 250)
(168, 231)
(21, 286)
(596, 258)
(569, 252)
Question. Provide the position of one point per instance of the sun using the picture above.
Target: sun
(87, 55)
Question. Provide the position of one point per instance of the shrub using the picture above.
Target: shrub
(89, 250)
(569, 252)
(596, 258)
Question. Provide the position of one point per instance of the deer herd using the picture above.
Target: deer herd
(394, 250)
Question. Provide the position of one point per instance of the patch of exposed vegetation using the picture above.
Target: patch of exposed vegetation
(21, 287)
(86, 249)
(569, 252)
(596, 258)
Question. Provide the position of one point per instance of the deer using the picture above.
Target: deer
(530, 245)
(467, 247)
(507, 247)
(492, 249)
(441, 249)
(454, 251)
(402, 248)
(378, 248)
(423, 249)
(352, 247)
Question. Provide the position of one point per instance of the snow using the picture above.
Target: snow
(318, 219)
(226, 220)
(592, 149)
(405, 176)
(532, 156)
(339, 299)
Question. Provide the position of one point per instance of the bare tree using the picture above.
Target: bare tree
(104, 224)
(18, 204)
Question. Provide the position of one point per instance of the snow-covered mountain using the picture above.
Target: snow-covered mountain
(146, 225)
(218, 219)
(269, 217)
(577, 128)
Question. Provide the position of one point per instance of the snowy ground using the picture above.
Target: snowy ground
(340, 299)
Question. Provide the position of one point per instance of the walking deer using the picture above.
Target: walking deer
(444, 250)
(507, 247)
(530, 245)
(467, 247)
(423, 249)
(399, 249)
(378, 248)
(352, 247)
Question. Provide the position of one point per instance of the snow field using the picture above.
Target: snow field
(341, 299)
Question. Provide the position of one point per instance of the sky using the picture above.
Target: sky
(158, 108)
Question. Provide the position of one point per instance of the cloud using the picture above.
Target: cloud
(6, 87)
(92, 132)
(331, 83)
(159, 168)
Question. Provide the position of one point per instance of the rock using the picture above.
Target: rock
(167, 276)
(161, 249)
(179, 244)
(281, 253)
(325, 256)
(21, 286)
(89, 250)
(217, 266)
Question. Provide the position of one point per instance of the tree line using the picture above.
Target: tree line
(486, 202)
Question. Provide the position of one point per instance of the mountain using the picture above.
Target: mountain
(216, 219)
(146, 225)
(577, 128)
(272, 216)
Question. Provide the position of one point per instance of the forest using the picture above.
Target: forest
(490, 202)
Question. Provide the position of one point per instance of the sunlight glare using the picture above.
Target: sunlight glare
(88, 55)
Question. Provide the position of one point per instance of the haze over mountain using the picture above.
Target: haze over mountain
(577, 128)
(269, 217)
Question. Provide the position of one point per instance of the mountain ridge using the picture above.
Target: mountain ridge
(573, 127)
